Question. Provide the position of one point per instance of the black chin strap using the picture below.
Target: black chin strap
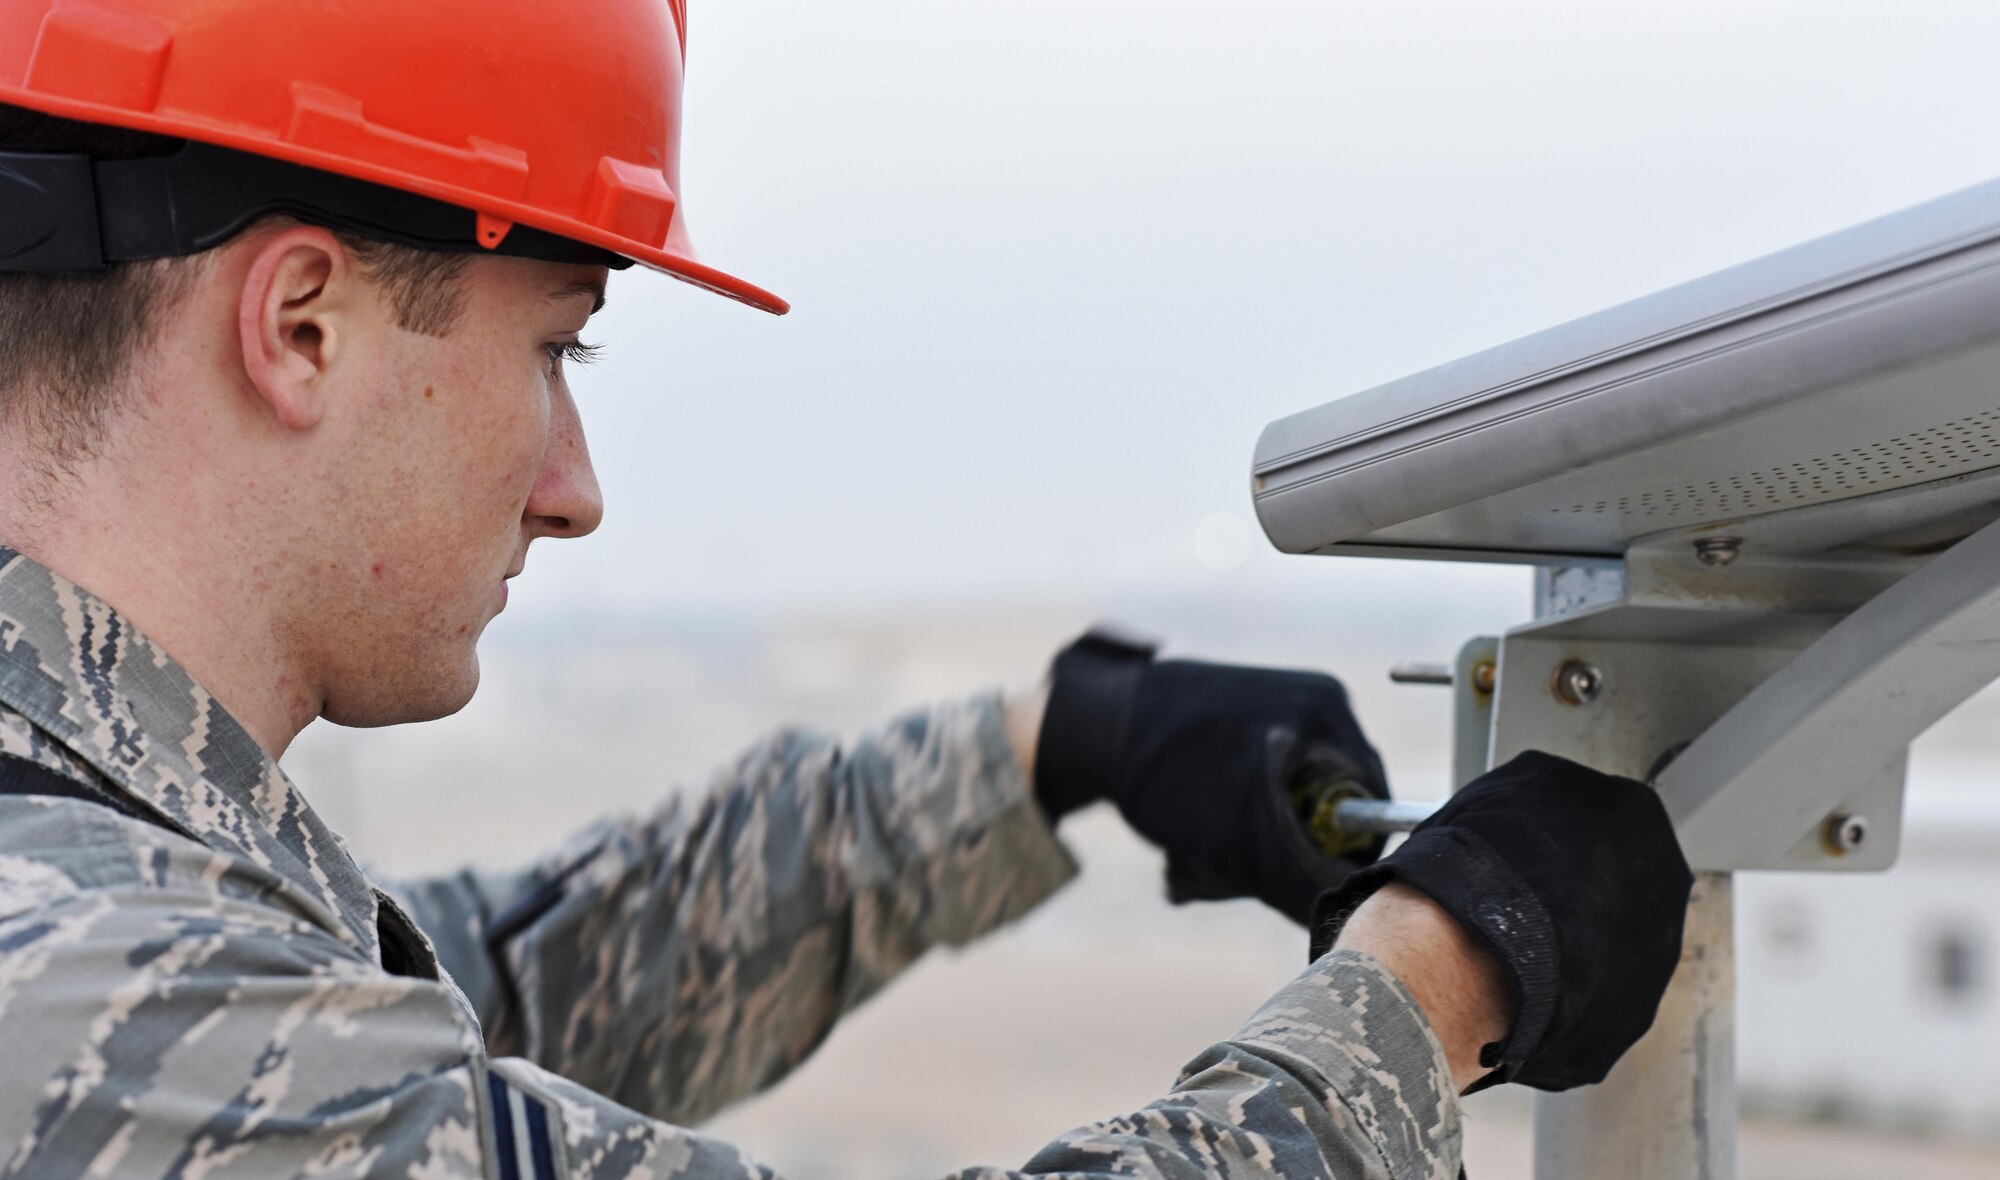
(70, 214)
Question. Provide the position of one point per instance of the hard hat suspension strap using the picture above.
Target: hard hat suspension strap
(70, 214)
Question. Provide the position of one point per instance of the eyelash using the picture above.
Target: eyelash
(571, 351)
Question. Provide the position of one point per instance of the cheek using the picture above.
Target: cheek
(471, 450)
(433, 484)
(508, 449)
(495, 426)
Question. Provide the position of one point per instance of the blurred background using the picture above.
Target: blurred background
(1055, 264)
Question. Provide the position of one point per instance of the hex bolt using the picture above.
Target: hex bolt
(1844, 833)
(1577, 682)
(1716, 552)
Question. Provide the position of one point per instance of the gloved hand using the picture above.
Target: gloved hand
(1575, 882)
(1200, 758)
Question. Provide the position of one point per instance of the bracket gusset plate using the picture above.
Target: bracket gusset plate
(1667, 676)
(1841, 714)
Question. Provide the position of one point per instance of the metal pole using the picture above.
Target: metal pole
(1668, 1111)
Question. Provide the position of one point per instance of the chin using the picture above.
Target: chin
(392, 699)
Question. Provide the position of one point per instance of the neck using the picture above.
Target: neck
(158, 551)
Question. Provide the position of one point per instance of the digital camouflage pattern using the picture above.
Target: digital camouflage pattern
(223, 993)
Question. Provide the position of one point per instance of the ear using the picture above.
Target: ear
(291, 316)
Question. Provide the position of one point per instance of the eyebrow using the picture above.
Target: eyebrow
(590, 287)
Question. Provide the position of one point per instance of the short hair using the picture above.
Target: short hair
(71, 337)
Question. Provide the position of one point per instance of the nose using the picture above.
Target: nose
(566, 501)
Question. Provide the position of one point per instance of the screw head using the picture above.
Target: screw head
(1716, 552)
(1845, 833)
(1578, 683)
(1483, 676)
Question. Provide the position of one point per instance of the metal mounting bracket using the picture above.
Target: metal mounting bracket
(1812, 736)
(1624, 688)
(1772, 702)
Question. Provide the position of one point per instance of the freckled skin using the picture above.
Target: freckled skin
(445, 492)
(311, 506)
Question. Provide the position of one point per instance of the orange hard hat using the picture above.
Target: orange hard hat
(539, 128)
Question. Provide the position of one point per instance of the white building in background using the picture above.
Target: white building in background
(1877, 996)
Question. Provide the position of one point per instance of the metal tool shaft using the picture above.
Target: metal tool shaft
(1421, 673)
(1380, 816)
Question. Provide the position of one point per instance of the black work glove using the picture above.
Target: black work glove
(1200, 759)
(1575, 882)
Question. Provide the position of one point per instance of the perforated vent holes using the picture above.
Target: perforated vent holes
(1967, 444)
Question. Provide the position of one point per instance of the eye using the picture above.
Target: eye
(571, 351)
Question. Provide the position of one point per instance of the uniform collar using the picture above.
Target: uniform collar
(73, 666)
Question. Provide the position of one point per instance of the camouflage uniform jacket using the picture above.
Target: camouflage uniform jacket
(196, 980)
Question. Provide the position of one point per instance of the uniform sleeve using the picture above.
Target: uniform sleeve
(1337, 1077)
(170, 1032)
(684, 960)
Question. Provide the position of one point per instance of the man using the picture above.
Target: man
(285, 298)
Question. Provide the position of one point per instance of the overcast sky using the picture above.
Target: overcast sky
(1056, 262)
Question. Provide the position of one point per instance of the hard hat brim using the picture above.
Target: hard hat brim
(496, 211)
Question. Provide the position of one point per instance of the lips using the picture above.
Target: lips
(511, 573)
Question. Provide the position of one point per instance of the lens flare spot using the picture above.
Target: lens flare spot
(1223, 541)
